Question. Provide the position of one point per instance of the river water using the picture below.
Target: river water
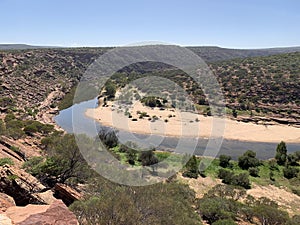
(233, 148)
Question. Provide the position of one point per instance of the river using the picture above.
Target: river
(233, 148)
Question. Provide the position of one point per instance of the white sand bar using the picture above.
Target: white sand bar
(190, 124)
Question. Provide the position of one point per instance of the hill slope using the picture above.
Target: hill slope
(256, 86)
(212, 54)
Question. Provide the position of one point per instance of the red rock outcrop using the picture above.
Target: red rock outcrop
(6, 202)
(66, 193)
(22, 186)
(55, 214)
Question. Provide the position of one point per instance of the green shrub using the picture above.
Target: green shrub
(290, 172)
(242, 180)
(2, 127)
(7, 102)
(35, 126)
(248, 159)
(8, 161)
(213, 209)
(270, 215)
(281, 153)
(192, 168)
(15, 133)
(148, 158)
(108, 137)
(33, 165)
(254, 171)
(30, 129)
(229, 177)
(224, 161)
(164, 203)
(9, 117)
(226, 176)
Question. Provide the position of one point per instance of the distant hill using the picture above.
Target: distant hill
(209, 54)
(21, 47)
(212, 54)
(253, 86)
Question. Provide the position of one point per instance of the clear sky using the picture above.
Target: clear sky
(225, 23)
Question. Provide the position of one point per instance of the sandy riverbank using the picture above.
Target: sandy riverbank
(190, 124)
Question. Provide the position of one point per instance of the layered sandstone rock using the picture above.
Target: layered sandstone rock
(66, 193)
(22, 186)
(5, 202)
(55, 214)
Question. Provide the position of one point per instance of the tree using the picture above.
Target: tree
(226, 176)
(224, 161)
(63, 163)
(110, 89)
(131, 156)
(192, 168)
(147, 158)
(242, 180)
(292, 159)
(254, 171)
(234, 113)
(290, 172)
(281, 153)
(108, 137)
(152, 101)
(248, 159)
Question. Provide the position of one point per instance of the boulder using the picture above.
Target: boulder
(5, 202)
(47, 197)
(66, 193)
(55, 214)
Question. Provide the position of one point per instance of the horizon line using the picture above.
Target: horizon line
(158, 43)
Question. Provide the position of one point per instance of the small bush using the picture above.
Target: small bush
(290, 172)
(2, 127)
(30, 129)
(8, 161)
(226, 176)
(254, 171)
(9, 117)
(248, 159)
(229, 177)
(192, 168)
(15, 133)
(224, 161)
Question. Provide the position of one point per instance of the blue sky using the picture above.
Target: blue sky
(225, 23)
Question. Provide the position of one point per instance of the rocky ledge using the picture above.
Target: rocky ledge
(57, 213)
